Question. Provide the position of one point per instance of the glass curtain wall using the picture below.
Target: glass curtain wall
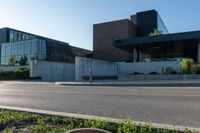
(162, 52)
(32, 49)
(161, 26)
(15, 36)
(169, 51)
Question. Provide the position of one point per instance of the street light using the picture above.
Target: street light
(90, 72)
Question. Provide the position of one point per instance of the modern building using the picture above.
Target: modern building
(143, 37)
(18, 44)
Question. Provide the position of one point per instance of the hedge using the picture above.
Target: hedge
(21, 73)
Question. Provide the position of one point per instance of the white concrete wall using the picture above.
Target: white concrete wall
(99, 68)
(146, 67)
(52, 71)
(10, 68)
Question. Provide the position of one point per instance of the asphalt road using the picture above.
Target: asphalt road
(166, 105)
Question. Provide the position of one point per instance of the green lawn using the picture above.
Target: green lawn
(13, 121)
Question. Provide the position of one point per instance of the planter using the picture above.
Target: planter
(88, 130)
(138, 77)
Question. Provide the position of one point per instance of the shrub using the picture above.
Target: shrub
(173, 72)
(12, 61)
(195, 68)
(23, 61)
(186, 65)
(170, 70)
(153, 72)
(22, 73)
(135, 73)
(155, 32)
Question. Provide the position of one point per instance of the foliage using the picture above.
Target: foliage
(195, 68)
(21, 73)
(170, 70)
(153, 72)
(13, 121)
(136, 73)
(186, 65)
(23, 61)
(155, 33)
(12, 61)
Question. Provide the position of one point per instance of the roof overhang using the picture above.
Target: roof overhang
(136, 41)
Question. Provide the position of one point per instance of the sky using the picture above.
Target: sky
(72, 20)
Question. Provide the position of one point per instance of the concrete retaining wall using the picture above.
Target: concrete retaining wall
(146, 67)
(99, 68)
(52, 71)
(158, 77)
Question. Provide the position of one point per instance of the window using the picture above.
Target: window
(14, 49)
(11, 37)
(33, 48)
(20, 49)
(19, 36)
(8, 49)
(27, 48)
(161, 26)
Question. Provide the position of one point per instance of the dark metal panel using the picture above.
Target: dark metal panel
(146, 22)
(157, 39)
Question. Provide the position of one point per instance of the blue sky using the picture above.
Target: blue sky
(72, 20)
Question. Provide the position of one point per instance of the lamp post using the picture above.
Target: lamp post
(90, 72)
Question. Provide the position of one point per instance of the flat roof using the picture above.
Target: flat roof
(135, 41)
(37, 36)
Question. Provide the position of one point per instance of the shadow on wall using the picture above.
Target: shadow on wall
(100, 69)
(52, 71)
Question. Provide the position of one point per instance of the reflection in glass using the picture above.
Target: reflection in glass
(34, 48)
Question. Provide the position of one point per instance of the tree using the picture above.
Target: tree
(23, 61)
(155, 33)
(12, 61)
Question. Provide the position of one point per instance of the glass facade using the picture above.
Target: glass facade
(18, 44)
(162, 52)
(161, 26)
(168, 51)
(15, 36)
(35, 48)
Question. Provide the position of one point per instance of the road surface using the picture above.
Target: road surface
(166, 105)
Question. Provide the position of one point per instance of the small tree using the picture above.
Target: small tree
(23, 61)
(155, 33)
(12, 61)
(186, 65)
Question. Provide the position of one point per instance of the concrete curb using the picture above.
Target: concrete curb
(81, 116)
(86, 130)
(152, 84)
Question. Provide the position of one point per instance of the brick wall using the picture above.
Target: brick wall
(104, 33)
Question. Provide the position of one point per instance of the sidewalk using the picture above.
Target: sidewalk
(167, 83)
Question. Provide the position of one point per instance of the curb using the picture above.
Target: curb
(81, 116)
(144, 84)
(87, 130)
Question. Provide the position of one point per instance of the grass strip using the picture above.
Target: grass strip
(23, 122)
